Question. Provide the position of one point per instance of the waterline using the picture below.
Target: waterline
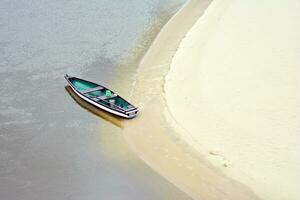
(154, 139)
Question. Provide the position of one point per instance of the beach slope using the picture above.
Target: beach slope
(233, 87)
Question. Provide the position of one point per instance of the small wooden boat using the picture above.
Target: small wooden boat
(102, 97)
(117, 121)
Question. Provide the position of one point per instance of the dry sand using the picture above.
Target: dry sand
(154, 139)
(234, 89)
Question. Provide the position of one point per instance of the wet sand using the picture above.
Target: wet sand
(159, 142)
(233, 90)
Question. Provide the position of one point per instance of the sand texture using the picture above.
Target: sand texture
(154, 139)
(233, 87)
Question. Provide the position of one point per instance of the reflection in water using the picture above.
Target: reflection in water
(115, 120)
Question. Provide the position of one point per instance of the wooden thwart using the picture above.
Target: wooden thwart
(92, 89)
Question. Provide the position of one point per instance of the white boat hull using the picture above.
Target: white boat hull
(100, 106)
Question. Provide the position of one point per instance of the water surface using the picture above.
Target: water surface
(51, 147)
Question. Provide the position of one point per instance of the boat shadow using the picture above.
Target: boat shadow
(115, 120)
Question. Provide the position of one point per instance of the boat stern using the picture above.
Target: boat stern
(132, 113)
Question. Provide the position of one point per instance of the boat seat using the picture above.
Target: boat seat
(99, 98)
(129, 107)
(92, 89)
(103, 97)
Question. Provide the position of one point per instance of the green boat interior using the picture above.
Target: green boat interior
(100, 94)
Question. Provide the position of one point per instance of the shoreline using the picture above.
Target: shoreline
(154, 139)
(241, 74)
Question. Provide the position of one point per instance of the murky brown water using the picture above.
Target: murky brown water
(51, 145)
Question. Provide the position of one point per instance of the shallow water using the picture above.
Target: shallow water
(52, 147)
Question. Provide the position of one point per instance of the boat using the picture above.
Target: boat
(114, 120)
(102, 97)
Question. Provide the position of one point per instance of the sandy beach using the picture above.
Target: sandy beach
(218, 93)
(233, 91)
(157, 141)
